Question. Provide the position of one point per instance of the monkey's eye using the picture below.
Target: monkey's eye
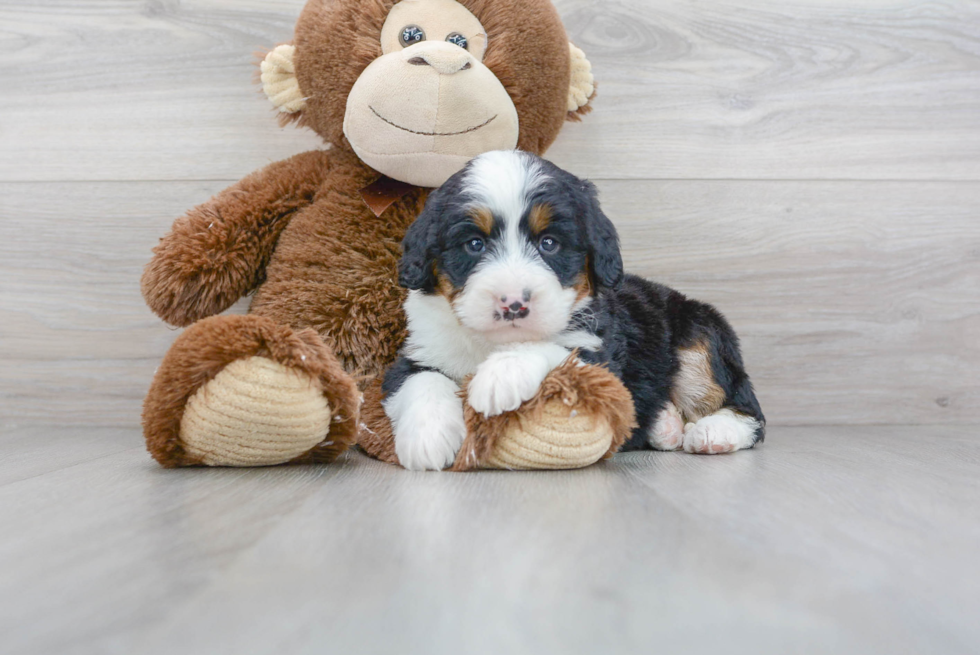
(411, 35)
(549, 245)
(458, 39)
(475, 246)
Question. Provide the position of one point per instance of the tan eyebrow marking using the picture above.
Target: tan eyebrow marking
(539, 218)
(483, 219)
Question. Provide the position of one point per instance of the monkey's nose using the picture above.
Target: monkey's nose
(446, 60)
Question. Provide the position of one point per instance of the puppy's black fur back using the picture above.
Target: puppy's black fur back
(643, 325)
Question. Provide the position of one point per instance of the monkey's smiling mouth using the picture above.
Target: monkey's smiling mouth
(469, 129)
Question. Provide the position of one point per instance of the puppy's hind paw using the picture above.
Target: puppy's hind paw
(722, 432)
(668, 430)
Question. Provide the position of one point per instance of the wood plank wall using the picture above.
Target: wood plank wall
(812, 167)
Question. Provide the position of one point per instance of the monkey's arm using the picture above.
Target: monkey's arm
(218, 251)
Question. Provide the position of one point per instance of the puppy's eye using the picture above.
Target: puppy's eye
(549, 245)
(458, 39)
(475, 246)
(411, 35)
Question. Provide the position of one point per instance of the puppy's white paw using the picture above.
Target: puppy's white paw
(721, 432)
(427, 418)
(668, 431)
(505, 380)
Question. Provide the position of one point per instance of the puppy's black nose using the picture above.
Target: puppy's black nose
(513, 306)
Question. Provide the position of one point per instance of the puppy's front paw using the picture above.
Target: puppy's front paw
(504, 381)
(430, 440)
(427, 419)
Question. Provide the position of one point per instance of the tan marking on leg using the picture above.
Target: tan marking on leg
(539, 219)
(695, 392)
(483, 219)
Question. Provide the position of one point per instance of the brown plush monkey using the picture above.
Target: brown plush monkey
(406, 94)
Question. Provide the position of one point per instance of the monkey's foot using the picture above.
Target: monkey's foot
(245, 391)
(581, 414)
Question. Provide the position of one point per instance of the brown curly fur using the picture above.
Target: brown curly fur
(376, 437)
(589, 389)
(300, 236)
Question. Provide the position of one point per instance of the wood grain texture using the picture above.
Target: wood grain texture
(823, 540)
(856, 302)
(731, 89)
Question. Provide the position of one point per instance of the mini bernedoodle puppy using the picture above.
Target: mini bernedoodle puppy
(511, 266)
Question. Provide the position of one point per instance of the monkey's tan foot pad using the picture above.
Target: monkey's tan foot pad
(255, 412)
(245, 391)
(581, 414)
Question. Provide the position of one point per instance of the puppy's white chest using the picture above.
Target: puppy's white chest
(437, 340)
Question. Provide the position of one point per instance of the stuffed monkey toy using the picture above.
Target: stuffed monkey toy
(406, 93)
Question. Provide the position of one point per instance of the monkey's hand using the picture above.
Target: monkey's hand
(217, 253)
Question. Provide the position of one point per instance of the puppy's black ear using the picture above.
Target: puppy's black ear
(416, 270)
(604, 256)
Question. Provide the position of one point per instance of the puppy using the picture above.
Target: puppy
(511, 267)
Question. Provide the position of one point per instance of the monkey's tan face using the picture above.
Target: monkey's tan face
(428, 105)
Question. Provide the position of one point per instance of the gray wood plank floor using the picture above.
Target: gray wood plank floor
(823, 540)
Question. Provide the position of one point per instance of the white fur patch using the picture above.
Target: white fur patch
(721, 432)
(668, 430)
(502, 180)
(581, 331)
(427, 418)
(437, 340)
(579, 339)
(510, 377)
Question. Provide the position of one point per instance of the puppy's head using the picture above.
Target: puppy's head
(515, 244)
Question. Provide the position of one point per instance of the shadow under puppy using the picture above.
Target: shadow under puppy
(511, 267)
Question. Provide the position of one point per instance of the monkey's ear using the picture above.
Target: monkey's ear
(581, 89)
(279, 80)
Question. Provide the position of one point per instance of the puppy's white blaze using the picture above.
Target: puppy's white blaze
(502, 180)
(427, 419)
(438, 340)
(721, 432)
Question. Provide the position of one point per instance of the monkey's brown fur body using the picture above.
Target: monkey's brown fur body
(322, 265)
